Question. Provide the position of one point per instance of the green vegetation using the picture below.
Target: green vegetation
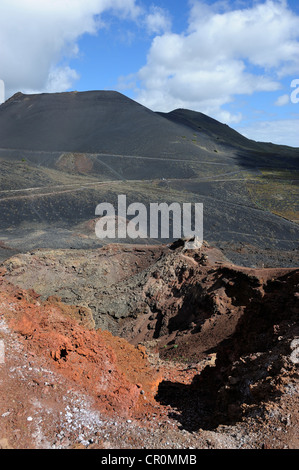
(276, 191)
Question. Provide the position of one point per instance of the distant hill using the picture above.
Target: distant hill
(92, 122)
(107, 122)
(225, 135)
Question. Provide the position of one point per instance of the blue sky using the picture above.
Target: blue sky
(233, 60)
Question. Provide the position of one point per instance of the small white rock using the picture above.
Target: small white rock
(294, 357)
(295, 343)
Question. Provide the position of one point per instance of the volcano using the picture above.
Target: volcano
(62, 154)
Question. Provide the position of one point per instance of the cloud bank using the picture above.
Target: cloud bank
(278, 130)
(222, 54)
(38, 38)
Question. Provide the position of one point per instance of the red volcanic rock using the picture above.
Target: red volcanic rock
(108, 368)
(225, 340)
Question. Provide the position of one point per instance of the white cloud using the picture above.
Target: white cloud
(223, 53)
(61, 79)
(158, 20)
(282, 100)
(283, 132)
(36, 35)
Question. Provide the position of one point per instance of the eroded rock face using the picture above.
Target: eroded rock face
(258, 363)
(188, 300)
(88, 278)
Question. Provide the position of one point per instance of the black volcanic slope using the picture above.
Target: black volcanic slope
(62, 154)
(251, 153)
(93, 122)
